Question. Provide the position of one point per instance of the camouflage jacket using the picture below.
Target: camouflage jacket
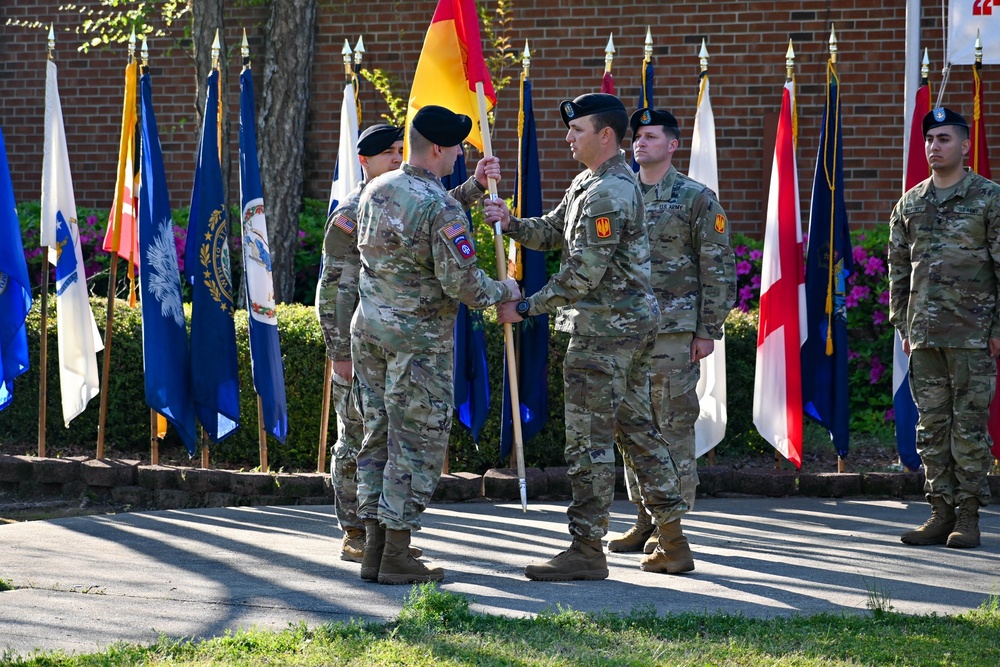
(944, 265)
(693, 268)
(337, 290)
(602, 286)
(417, 262)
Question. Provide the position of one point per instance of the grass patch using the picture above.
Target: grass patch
(6, 585)
(437, 627)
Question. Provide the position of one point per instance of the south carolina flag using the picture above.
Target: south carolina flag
(777, 392)
(79, 339)
(451, 64)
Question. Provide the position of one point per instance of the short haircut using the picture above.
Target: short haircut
(418, 143)
(615, 119)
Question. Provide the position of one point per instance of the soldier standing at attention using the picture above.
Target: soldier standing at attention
(944, 273)
(602, 298)
(693, 275)
(380, 149)
(417, 262)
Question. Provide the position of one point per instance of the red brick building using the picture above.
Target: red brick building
(747, 42)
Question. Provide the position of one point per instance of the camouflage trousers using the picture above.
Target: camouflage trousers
(406, 401)
(606, 383)
(952, 389)
(673, 386)
(343, 462)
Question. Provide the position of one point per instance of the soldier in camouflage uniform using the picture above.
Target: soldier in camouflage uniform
(693, 275)
(380, 149)
(944, 273)
(417, 262)
(602, 297)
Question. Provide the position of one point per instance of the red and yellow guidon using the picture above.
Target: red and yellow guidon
(603, 228)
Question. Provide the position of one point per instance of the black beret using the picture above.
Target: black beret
(941, 116)
(378, 138)
(647, 116)
(589, 104)
(442, 126)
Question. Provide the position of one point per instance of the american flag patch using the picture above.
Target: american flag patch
(454, 229)
(345, 223)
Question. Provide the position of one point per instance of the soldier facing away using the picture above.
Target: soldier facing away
(417, 262)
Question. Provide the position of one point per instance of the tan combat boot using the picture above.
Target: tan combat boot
(635, 537)
(374, 546)
(672, 554)
(398, 564)
(966, 533)
(937, 528)
(584, 559)
(353, 546)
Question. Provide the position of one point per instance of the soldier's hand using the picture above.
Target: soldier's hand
(343, 370)
(496, 209)
(701, 348)
(488, 167)
(994, 346)
(906, 346)
(514, 288)
(507, 313)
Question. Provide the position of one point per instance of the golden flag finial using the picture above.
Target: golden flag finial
(703, 56)
(789, 61)
(833, 45)
(526, 59)
(609, 53)
(359, 51)
(346, 52)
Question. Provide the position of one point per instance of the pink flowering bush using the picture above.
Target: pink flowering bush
(869, 334)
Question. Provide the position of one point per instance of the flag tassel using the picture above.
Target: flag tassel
(508, 331)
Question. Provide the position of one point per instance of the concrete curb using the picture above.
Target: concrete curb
(169, 487)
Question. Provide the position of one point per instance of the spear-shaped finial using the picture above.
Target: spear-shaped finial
(647, 49)
(789, 61)
(346, 52)
(979, 50)
(245, 49)
(609, 53)
(925, 67)
(145, 53)
(131, 45)
(359, 51)
(833, 45)
(703, 56)
(526, 59)
(52, 43)
(215, 50)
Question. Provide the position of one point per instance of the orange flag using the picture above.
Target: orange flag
(451, 64)
(122, 238)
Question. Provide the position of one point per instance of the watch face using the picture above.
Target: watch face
(522, 307)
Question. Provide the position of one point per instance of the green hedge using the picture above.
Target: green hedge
(302, 346)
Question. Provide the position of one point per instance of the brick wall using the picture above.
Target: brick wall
(747, 42)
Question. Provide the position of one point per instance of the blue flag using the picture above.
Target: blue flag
(472, 382)
(824, 387)
(214, 375)
(15, 290)
(265, 348)
(645, 95)
(164, 331)
(532, 335)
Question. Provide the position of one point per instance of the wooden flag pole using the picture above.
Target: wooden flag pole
(508, 331)
(324, 422)
(154, 441)
(204, 448)
(43, 341)
(261, 434)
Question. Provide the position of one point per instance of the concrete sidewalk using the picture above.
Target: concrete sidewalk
(85, 582)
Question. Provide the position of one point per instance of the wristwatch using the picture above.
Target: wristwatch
(523, 307)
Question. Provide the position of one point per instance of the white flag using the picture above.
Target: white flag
(711, 425)
(966, 20)
(348, 172)
(79, 338)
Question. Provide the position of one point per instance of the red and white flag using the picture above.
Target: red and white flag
(777, 392)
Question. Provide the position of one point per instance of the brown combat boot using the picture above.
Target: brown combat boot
(353, 546)
(374, 546)
(398, 564)
(937, 528)
(966, 533)
(672, 554)
(584, 559)
(635, 537)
